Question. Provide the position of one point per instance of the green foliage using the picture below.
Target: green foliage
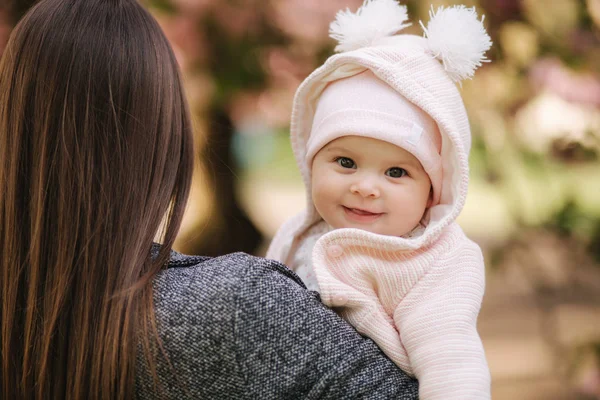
(572, 221)
(594, 249)
(567, 219)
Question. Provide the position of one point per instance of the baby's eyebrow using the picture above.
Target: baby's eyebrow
(406, 161)
(338, 149)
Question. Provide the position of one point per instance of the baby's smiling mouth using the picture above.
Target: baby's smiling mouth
(360, 214)
(360, 211)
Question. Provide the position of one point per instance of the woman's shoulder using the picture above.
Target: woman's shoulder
(184, 273)
(198, 285)
(197, 301)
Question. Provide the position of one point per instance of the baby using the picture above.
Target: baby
(382, 138)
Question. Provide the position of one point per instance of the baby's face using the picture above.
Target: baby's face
(365, 183)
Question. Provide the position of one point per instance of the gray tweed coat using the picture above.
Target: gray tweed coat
(242, 327)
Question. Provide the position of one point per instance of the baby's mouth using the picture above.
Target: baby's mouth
(360, 212)
(361, 215)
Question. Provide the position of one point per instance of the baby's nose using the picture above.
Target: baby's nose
(365, 188)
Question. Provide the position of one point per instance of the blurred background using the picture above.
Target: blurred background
(534, 199)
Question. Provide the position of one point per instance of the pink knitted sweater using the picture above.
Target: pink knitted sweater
(419, 306)
(418, 297)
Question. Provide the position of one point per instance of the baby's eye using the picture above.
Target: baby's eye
(396, 172)
(345, 162)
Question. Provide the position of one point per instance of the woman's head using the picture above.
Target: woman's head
(95, 149)
(91, 101)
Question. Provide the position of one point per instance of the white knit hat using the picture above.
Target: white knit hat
(423, 70)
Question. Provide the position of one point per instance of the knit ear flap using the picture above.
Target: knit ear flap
(457, 38)
(374, 20)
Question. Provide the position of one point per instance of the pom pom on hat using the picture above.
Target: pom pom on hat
(375, 19)
(454, 35)
(457, 38)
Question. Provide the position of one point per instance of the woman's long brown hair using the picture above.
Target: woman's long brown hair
(95, 150)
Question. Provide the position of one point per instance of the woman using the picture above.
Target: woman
(95, 151)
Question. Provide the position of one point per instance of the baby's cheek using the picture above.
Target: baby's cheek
(407, 218)
(321, 201)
